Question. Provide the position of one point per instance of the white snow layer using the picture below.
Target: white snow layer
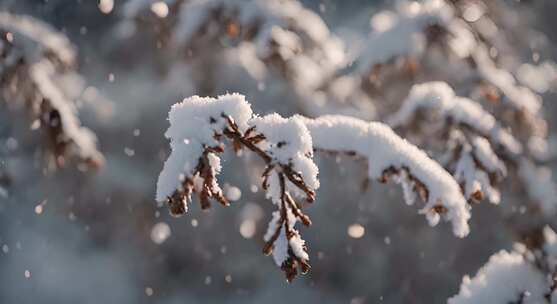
(288, 142)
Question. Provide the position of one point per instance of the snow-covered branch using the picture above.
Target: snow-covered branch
(388, 156)
(283, 144)
(199, 127)
(36, 63)
(472, 136)
(475, 148)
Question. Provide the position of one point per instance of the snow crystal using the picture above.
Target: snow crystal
(106, 6)
(132, 8)
(160, 9)
(39, 209)
(247, 228)
(160, 232)
(356, 231)
(232, 193)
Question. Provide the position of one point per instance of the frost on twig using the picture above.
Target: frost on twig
(200, 127)
(35, 63)
(471, 143)
(527, 274)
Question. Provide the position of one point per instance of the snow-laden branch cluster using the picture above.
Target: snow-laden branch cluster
(273, 41)
(199, 128)
(459, 42)
(475, 148)
(281, 33)
(36, 63)
(402, 37)
(527, 274)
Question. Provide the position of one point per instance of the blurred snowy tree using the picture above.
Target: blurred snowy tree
(38, 76)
